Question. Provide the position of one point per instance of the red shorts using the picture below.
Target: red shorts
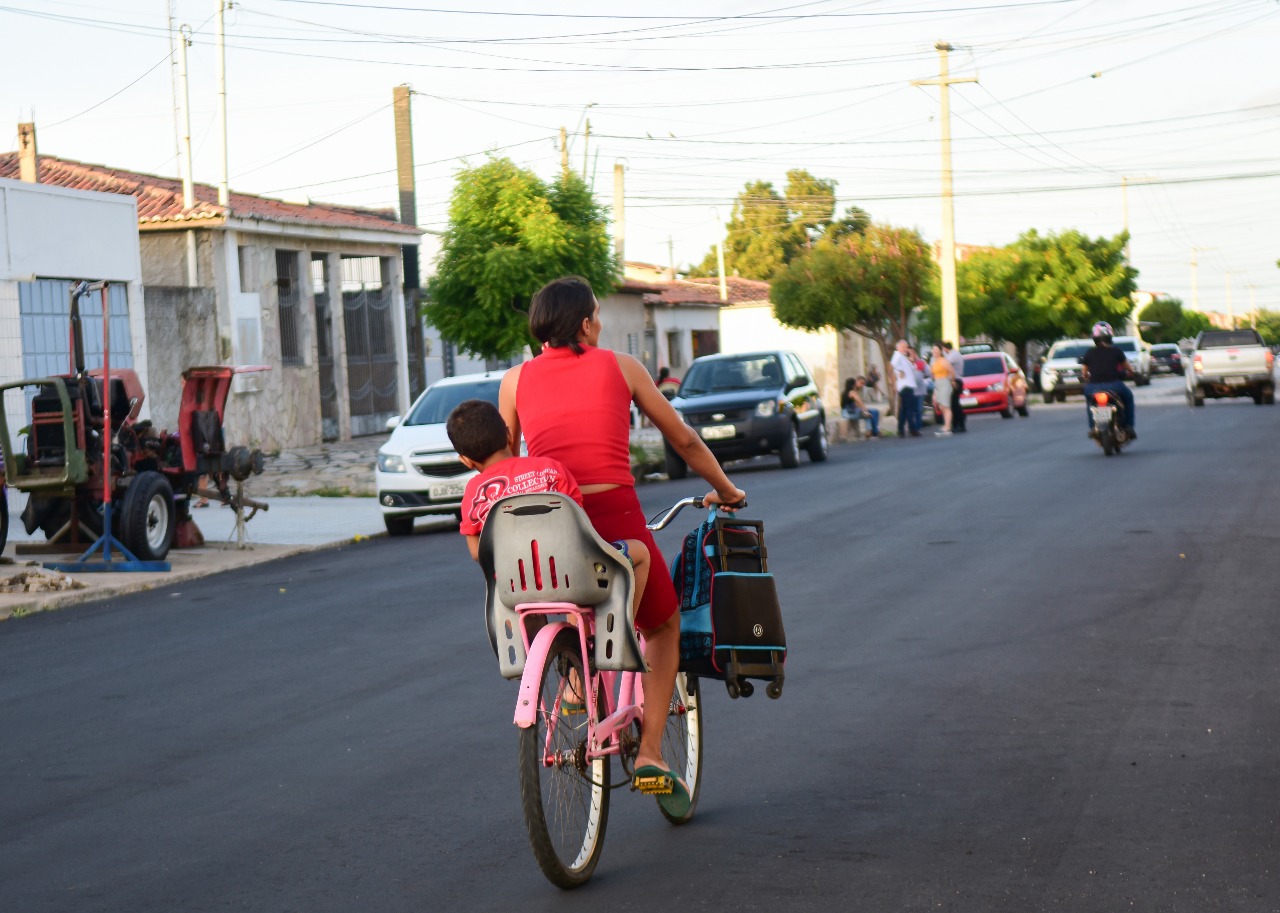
(616, 514)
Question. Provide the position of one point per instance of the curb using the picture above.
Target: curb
(106, 585)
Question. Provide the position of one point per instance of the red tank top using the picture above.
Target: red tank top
(577, 409)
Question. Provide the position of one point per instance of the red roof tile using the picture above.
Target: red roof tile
(706, 290)
(160, 199)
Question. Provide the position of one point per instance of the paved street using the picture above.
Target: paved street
(1023, 677)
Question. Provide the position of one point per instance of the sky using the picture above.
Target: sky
(1086, 114)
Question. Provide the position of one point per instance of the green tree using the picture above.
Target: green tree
(1193, 324)
(510, 233)
(1168, 316)
(1268, 324)
(869, 283)
(1040, 288)
(766, 229)
(1077, 280)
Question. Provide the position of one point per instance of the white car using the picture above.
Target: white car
(1138, 354)
(419, 473)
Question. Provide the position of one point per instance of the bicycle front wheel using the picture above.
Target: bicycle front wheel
(565, 795)
(682, 740)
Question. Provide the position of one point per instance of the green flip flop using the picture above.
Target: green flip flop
(669, 789)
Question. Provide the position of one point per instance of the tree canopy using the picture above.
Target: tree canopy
(869, 282)
(1041, 288)
(1175, 322)
(510, 233)
(767, 229)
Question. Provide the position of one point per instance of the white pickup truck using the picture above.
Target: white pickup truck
(1230, 363)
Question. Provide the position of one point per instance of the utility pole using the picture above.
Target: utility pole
(619, 219)
(671, 258)
(1124, 194)
(1231, 310)
(564, 152)
(402, 114)
(724, 287)
(173, 85)
(1253, 307)
(188, 177)
(586, 141)
(1195, 277)
(950, 309)
(224, 191)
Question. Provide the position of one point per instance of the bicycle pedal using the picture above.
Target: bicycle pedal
(655, 785)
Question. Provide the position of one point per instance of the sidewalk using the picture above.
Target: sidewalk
(296, 521)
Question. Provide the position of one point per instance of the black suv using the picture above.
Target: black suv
(749, 404)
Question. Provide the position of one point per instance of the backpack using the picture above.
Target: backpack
(730, 620)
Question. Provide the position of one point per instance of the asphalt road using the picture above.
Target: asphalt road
(1022, 677)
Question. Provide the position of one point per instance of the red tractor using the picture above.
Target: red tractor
(152, 475)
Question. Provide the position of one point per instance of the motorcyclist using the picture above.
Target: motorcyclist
(1104, 369)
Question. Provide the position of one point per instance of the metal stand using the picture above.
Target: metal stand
(128, 563)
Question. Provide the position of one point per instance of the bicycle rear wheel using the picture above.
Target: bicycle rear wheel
(565, 796)
(682, 740)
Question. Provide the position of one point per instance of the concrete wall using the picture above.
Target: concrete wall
(749, 328)
(181, 334)
(622, 314)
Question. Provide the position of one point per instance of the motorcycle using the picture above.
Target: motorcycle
(1108, 422)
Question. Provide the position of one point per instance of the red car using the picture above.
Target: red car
(993, 382)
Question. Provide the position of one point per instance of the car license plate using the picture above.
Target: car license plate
(446, 491)
(717, 432)
(1235, 381)
(968, 401)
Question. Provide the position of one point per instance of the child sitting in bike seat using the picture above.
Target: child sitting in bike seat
(479, 434)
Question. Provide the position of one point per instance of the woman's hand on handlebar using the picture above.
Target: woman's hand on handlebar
(729, 500)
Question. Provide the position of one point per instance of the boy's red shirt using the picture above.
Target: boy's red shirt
(513, 476)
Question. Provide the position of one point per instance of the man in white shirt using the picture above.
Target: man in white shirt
(904, 375)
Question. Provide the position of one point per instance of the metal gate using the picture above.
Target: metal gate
(329, 426)
(367, 299)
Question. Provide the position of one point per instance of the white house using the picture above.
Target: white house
(50, 238)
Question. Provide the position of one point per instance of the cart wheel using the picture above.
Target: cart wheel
(732, 687)
(774, 689)
(746, 687)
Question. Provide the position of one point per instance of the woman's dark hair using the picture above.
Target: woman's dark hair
(849, 384)
(558, 309)
(476, 429)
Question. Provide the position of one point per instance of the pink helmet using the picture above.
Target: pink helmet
(1102, 330)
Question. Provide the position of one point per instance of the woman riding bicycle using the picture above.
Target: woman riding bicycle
(573, 404)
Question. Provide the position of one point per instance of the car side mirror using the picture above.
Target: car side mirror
(393, 422)
(800, 381)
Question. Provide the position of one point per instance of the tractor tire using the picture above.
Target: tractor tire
(148, 517)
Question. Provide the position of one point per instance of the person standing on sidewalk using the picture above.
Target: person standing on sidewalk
(943, 378)
(904, 375)
(956, 360)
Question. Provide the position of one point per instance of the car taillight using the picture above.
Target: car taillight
(1271, 359)
(1198, 364)
(1100, 399)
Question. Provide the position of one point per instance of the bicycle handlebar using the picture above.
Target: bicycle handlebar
(665, 519)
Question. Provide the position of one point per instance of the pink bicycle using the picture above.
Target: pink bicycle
(559, 614)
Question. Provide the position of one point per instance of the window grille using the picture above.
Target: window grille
(288, 298)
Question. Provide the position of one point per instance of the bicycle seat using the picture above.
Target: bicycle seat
(542, 548)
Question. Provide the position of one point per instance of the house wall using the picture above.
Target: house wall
(682, 320)
(56, 233)
(164, 258)
(181, 333)
(622, 314)
(280, 408)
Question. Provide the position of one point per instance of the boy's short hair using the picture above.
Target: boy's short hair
(476, 429)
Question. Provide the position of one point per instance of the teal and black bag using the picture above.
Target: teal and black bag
(730, 620)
